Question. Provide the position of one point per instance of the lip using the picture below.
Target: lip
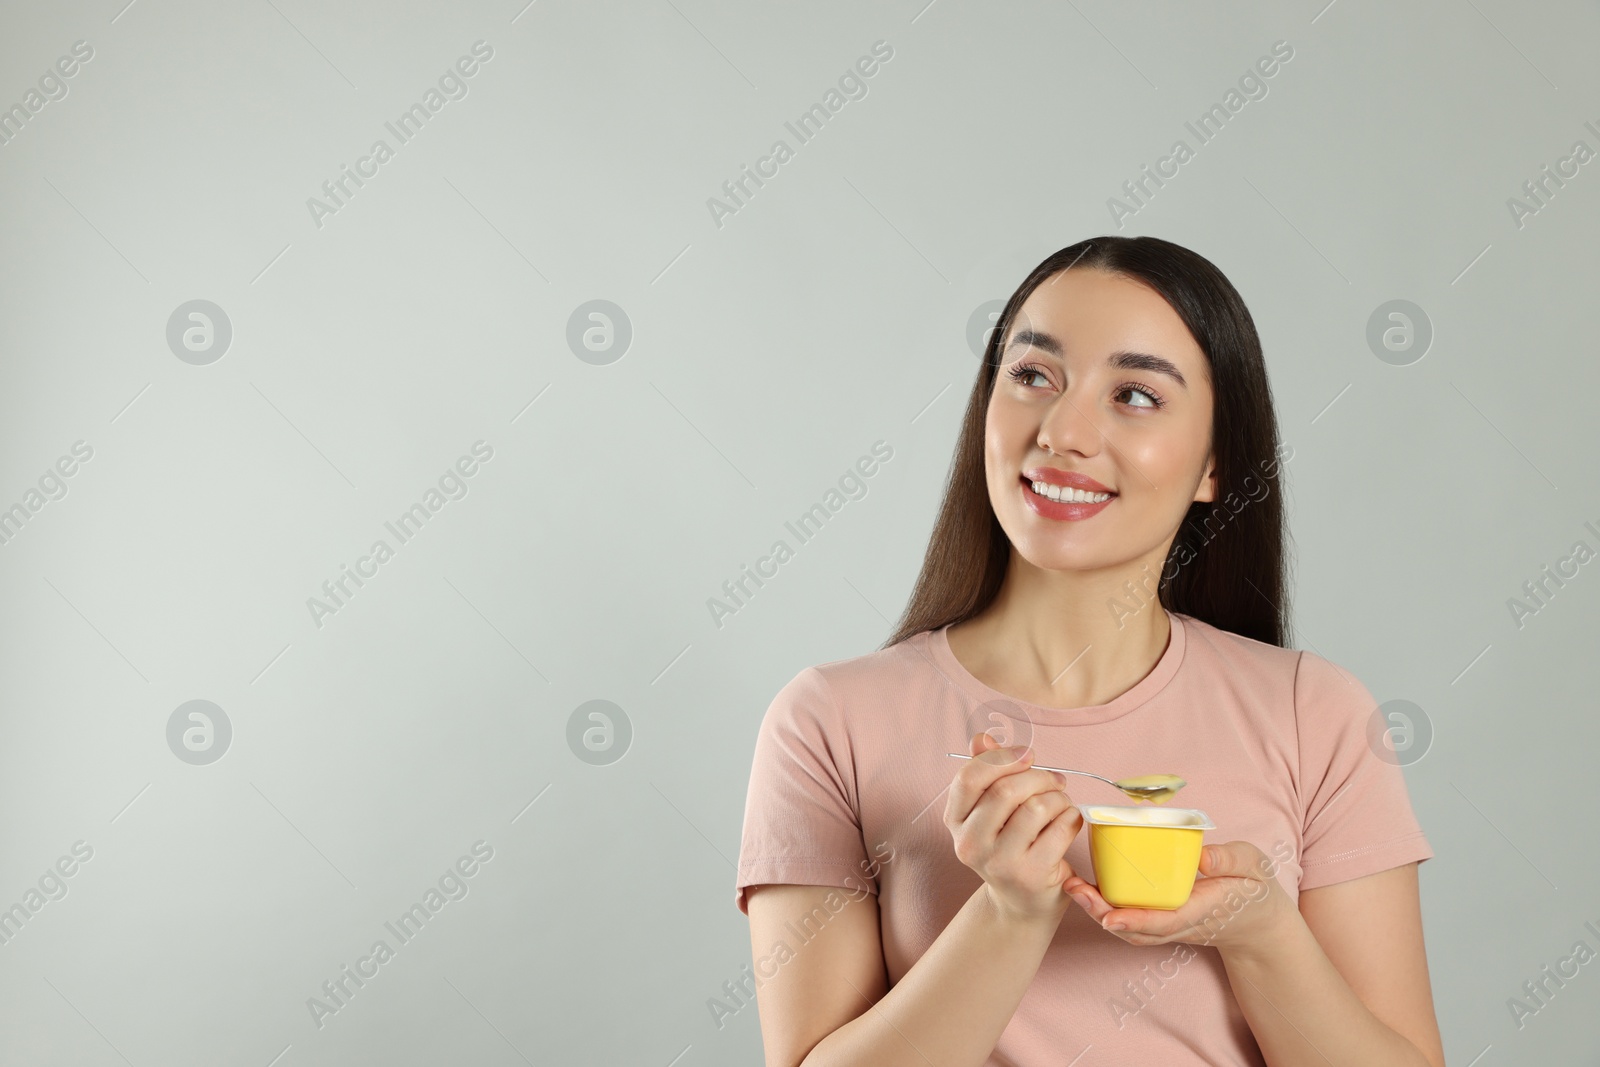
(1046, 508)
(1071, 479)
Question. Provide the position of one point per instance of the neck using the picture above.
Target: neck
(1080, 638)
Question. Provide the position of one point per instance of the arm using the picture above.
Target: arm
(1345, 980)
(830, 1004)
(1342, 980)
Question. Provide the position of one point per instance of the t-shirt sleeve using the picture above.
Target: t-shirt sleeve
(1357, 817)
(802, 821)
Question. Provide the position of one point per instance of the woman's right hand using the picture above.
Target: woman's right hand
(1012, 824)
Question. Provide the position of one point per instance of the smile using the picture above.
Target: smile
(1069, 496)
(1061, 503)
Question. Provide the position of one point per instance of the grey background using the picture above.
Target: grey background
(767, 354)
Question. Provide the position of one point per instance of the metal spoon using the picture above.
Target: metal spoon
(1155, 792)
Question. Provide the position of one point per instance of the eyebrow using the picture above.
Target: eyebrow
(1121, 359)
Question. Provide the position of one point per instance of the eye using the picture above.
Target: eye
(1022, 372)
(1139, 390)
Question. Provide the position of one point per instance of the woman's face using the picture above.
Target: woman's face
(1089, 370)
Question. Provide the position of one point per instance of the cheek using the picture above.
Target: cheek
(998, 458)
(1006, 427)
(996, 440)
(1167, 460)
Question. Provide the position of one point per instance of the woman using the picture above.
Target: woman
(1136, 626)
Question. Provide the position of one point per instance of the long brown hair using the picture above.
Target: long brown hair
(1227, 565)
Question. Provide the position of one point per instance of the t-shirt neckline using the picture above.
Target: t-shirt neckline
(1142, 691)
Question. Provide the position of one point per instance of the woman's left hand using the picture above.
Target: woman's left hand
(1236, 902)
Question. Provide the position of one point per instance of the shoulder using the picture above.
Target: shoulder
(1330, 699)
(823, 715)
(1238, 656)
(1316, 686)
(824, 695)
(869, 675)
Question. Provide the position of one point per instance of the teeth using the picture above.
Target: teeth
(1068, 496)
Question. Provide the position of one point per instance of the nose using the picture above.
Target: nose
(1069, 426)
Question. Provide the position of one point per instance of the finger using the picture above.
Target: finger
(1147, 926)
(984, 743)
(1001, 800)
(1052, 841)
(1239, 859)
(1088, 898)
(986, 748)
(1021, 831)
(1139, 925)
(975, 778)
(1055, 839)
(1140, 938)
(1152, 923)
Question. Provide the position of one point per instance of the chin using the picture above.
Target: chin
(1057, 557)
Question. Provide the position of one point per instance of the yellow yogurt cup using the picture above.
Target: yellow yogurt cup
(1145, 857)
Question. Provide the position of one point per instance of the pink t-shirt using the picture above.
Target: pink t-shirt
(848, 784)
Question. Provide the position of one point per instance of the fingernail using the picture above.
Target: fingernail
(1081, 899)
(1021, 753)
(1061, 779)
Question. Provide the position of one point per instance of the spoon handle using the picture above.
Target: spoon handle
(1041, 767)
